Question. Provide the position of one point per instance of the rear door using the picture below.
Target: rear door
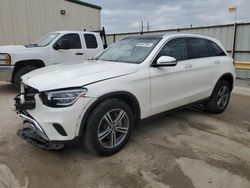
(172, 87)
(92, 45)
(75, 53)
(205, 67)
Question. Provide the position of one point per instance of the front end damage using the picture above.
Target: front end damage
(34, 133)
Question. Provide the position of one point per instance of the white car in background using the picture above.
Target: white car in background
(54, 48)
(100, 101)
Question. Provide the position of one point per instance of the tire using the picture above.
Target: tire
(20, 72)
(220, 98)
(102, 127)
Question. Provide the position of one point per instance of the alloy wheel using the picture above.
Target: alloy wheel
(223, 97)
(113, 128)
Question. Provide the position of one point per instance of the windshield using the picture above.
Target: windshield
(44, 41)
(130, 50)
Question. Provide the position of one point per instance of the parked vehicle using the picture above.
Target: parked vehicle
(100, 101)
(56, 47)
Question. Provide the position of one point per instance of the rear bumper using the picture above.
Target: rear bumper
(6, 73)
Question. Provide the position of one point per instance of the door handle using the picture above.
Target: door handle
(216, 62)
(79, 53)
(188, 66)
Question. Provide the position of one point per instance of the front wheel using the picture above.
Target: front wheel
(109, 127)
(20, 72)
(220, 97)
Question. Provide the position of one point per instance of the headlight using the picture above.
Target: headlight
(62, 98)
(5, 59)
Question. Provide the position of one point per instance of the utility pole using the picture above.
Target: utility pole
(141, 27)
(147, 25)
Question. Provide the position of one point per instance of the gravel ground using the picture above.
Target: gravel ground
(186, 148)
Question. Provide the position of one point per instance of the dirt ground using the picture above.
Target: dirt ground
(187, 148)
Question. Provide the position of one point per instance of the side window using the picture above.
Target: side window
(90, 41)
(215, 49)
(198, 48)
(74, 40)
(176, 48)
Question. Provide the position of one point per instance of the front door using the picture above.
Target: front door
(74, 54)
(172, 87)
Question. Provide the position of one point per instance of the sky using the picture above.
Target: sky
(126, 15)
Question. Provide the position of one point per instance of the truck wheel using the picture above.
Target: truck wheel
(220, 98)
(19, 73)
(109, 127)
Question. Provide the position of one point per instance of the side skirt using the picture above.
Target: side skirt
(176, 109)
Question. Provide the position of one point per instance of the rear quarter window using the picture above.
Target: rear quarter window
(215, 50)
(91, 42)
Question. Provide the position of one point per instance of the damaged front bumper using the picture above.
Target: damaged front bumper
(33, 124)
(35, 133)
(32, 137)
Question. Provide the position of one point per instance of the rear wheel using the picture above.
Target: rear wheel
(220, 97)
(109, 127)
(19, 73)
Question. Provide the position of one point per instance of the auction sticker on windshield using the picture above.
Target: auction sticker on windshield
(146, 45)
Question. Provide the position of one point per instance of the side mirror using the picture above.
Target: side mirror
(62, 44)
(165, 61)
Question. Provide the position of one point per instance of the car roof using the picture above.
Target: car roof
(176, 35)
(171, 35)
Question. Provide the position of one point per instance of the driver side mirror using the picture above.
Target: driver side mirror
(164, 61)
(62, 44)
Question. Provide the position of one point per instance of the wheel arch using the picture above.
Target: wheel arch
(227, 77)
(125, 96)
(31, 62)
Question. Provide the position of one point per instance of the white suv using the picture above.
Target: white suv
(101, 100)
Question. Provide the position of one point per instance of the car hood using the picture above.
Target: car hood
(11, 48)
(76, 75)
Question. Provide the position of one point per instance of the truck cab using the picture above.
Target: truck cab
(54, 48)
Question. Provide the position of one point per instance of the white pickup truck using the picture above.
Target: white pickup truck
(54, 48)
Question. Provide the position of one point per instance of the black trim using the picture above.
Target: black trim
(223, 76)
(85, 4)
(32, 137)
(107, 96)
(190, 104)
(59, 129)
(176, 109)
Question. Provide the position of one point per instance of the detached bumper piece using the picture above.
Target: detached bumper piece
(32, 137)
